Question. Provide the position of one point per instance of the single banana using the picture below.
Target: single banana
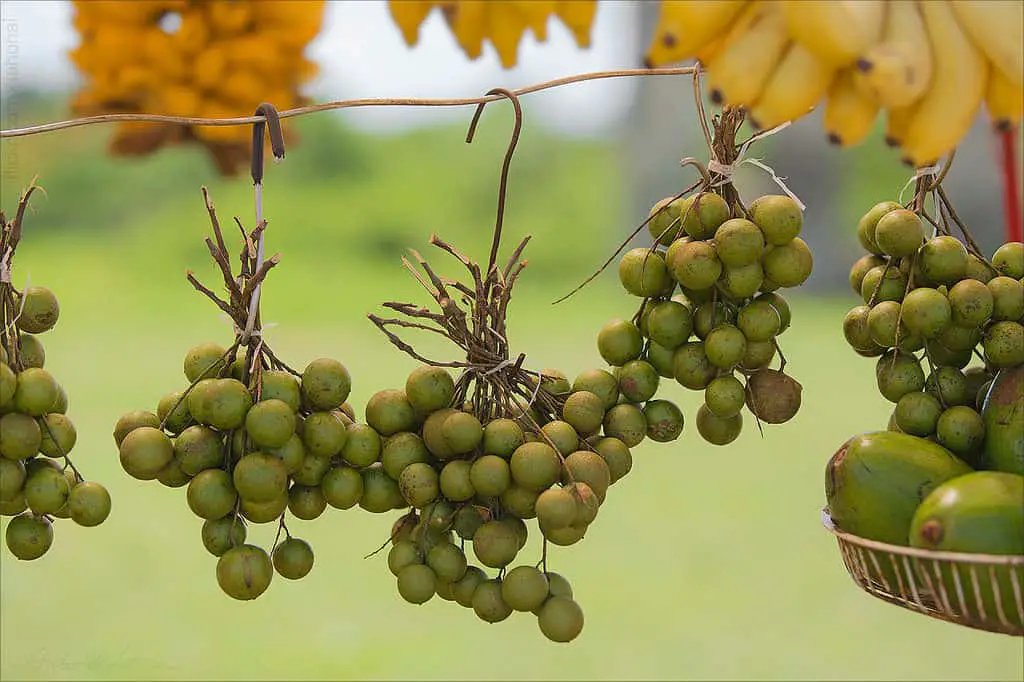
(796, 85)
(685, 26)
(578, 16)
(740, 70)
(897, 121)
(468, 23)
(947, 109)
(536, 13)
(408, 15)
(996, 27)
(1004, 101)
(837, 32)
(896, 72)
(849, 113)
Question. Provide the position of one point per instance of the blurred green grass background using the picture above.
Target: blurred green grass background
(705, 563)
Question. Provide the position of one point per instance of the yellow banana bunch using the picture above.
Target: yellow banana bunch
(925, 66)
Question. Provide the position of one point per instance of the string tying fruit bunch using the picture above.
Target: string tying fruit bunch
(727, 261)
(937, 304)
(35, 431)
(209, 58)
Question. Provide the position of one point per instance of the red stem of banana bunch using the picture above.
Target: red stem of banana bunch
(1011, 187)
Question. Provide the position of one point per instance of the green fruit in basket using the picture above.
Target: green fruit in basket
(875, 482)
(1003, 414)
(978, 513)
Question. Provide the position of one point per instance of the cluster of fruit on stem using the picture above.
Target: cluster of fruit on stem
(477, 456)
(35, 431)
(250, 437)
(727, 261)
(937, 303)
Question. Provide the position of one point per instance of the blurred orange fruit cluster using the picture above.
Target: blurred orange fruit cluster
(502, 22)
(202, 58)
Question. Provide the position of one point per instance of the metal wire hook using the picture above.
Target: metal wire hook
(272, 122)
(509, 153)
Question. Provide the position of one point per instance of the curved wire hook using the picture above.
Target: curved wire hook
(509, 153)
(272, 122)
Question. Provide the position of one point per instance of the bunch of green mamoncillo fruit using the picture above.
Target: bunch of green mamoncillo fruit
(945, 324)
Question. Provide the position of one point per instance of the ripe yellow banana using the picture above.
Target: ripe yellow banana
(536, 13)
(686, 26)
(796, 85)
(849, 113)
(837, 32)
(468, 23)
(996, 27)
(947, 109)
(408, 15)
(897, 71)
(1004, 101)
(578, 16)
(897, 121)
(740, 70)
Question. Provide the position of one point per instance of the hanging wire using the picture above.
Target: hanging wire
(341, 104)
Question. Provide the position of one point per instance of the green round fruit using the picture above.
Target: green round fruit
(899, 233)
(918, 413)
(868, 225)
(462, 432)
(403, 553)
(447, 561)
(739, 242)
(759, 320)
(978, 269)
(943, 260)
(725, 346)
(293, 559)
(495, 544)
(39, 310)
(584, 411)
(198, 448)
(949, 385)
(488, 603)
(643, 272)
(324, 434)
(429, 389)
(663, 221)
(717, 430)
(691, 366)
(535, 466)
(204, 360)
(29, 537)
(312, 470)
(1009, 260)
(89, 504)
(244, 572)
(759, 354)
(144, 452)
(882, 284)
(12, 478)
(502, 437)
(455, 481)
(259, 477)
(709, 315)
(961, 431)
(778, 216)
(280, 385)
(584, 466)
(467, 520)
(401, 450)
(195, 399)
(669, 324)
(264, 512)
(524, 588)
(491, 475)
(306, 502)
(788, 265)
(30, 351)
(342, 487)
(725, 396)
(14, 506)
(694, 265)
(464, 588)
(742, 282)
(616, 453)
(638, 381)
(325, 384)
(556, 508)
(362, 446)
(172, 475)
(173, 412)
(20, 436)
(419, 484)
(36, 392)
(664, 422)
(560, 619)
(971, 303)
(519, 502)
(1004, 344)
(1007, 298)
(8, 385)
(270, 423)
(292, 454)
(627, 423)
(220, 535)
(563, 436)
(619, 341)
(225, 404)
(46, 491)
(860, 269)
(661, 359)
(898, 373)
(926, 312)
(703, 213)
(211, 494)
(389, 411)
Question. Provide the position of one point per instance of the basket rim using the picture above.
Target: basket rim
(959, 557)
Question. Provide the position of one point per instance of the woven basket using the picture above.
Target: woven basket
(982, 591)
